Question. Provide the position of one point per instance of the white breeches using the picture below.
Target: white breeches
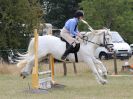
(67, 36)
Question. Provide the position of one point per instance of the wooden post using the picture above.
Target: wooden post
(35, 81)
(51, 57)
(115, 64)
(52, 67)
(65, 68)
(74, 66)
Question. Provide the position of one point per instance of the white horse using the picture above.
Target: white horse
(53, 45)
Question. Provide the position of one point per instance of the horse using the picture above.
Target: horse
(49, 44)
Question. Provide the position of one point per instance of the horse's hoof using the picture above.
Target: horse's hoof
(23, 75)
(105, 76)
(104, 82)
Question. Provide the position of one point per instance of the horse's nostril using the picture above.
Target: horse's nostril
(112, 49)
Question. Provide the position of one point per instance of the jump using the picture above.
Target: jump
(53, 45)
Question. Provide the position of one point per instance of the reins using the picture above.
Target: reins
(86, 40)
(89, 27)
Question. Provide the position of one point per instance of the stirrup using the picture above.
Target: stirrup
(63, 58)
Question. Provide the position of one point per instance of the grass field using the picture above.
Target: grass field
(80, 86)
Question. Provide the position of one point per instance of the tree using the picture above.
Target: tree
(114, 14)
(58, 11)
(17, 20)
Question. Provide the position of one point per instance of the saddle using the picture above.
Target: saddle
(75, 49)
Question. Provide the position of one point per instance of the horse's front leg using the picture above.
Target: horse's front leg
(101, 67)
(90, 62)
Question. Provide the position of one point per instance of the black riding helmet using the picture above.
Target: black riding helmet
(78, 14)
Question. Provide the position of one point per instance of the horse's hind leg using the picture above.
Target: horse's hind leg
(30, 63)
(27, 69)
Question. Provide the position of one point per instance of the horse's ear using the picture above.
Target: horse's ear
(108, 30)
(105, 28)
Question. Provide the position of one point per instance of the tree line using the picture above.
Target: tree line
(18, 18)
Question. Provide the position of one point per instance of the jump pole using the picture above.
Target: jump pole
(54, 84)
(52, 68)
(35, 77)
(51, 59)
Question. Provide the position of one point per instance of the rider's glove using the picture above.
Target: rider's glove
(80, 35)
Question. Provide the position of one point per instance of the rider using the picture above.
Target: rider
(70, 32)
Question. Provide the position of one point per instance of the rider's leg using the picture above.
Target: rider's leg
(68, 50)
(66, 35)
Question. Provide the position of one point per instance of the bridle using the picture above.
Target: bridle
(85, 40)
(105, 44)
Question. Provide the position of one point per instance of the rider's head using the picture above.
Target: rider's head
(79, 14)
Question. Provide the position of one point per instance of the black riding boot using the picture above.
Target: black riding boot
(68, 50)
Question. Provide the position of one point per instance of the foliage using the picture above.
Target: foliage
(114, 14)
(19, 17)
(17, 20)
(58, 11)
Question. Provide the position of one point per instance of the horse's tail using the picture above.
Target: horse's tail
(21, 59)
(31, 47)
(21, 54)
(30, 52)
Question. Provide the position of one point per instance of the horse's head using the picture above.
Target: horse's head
(105, 38)
(100, 37)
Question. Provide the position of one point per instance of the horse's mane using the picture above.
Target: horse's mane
(90, 35)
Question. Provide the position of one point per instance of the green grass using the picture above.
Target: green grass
(80, 86)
